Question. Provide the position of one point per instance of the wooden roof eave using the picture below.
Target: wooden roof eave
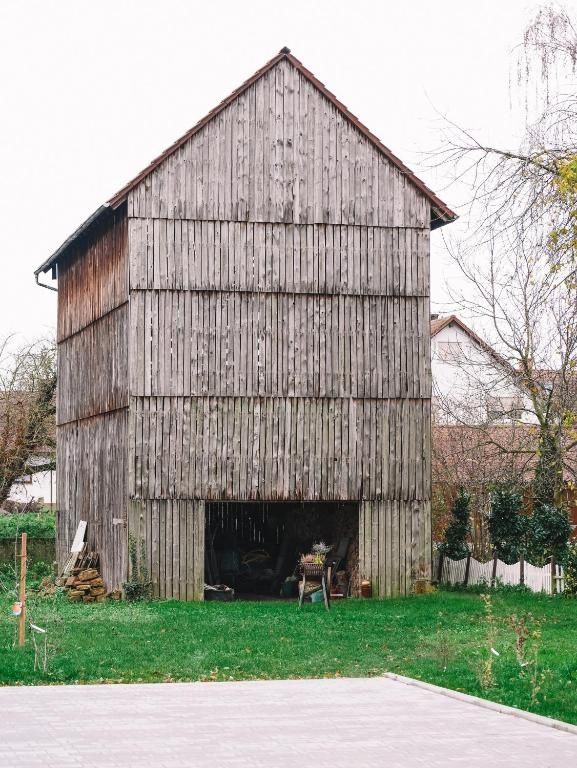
(82, 230)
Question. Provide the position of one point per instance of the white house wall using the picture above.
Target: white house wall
(41, 486)
(463, 383)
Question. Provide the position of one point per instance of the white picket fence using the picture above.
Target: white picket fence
(535, 578)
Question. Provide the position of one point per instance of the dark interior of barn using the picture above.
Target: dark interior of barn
(255, 547)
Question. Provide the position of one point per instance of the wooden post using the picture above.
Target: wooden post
(522, 569)
(553, 575)
(467, 569)
(494, 574)
(440, 568)
(22, 618)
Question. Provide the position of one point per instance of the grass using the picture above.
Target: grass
(440, 638)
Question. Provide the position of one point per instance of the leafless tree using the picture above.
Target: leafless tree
(528, 310)
(530, 187)
(27, 411)
(517, 268)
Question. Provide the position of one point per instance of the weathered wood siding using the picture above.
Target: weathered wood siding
(279, 330)
(94, 278)
(93, 368)
(172, 531)
(233, 343)
(394, 543)
(281, 152)
(248, 256)
(92, 396)
(92, 485)
(278, 448)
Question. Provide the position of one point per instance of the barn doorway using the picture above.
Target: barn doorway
(255, 547)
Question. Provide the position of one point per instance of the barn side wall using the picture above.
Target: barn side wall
(279, 329)
(92, 397)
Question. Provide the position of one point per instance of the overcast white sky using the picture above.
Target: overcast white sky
(92, 91)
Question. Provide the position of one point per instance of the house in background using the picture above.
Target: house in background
(472, 383)
(483, 428)
(243, 342)
(37, 489)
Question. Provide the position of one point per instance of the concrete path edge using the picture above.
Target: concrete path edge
(548, 722)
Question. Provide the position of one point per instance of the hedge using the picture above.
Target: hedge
(38, 525)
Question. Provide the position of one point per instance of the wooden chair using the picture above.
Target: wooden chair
(317, 574)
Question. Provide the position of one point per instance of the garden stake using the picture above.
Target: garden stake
(494, 573)
(467, 569)
(22, 617)
(440, 568)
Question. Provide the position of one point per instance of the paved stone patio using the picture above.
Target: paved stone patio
(348, 723)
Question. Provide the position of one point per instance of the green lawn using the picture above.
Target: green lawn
(441, 638)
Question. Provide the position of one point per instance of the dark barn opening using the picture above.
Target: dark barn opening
(255, 546)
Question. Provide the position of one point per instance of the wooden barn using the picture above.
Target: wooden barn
(243, 348)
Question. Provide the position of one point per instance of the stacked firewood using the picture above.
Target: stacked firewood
(85, 585)
(81, 577)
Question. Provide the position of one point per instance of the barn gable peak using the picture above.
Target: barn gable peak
(440, 213)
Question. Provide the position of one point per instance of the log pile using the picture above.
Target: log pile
(85, 585)
(81, 578)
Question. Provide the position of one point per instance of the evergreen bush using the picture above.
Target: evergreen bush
(570, 566)
(455, 541)
(548, 534)
(507, 526)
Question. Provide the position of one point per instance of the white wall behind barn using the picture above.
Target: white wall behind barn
(467, 378)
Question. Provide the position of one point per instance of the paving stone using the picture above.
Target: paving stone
(345, 723)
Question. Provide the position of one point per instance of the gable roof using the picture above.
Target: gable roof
(441, 213)
(439, 323)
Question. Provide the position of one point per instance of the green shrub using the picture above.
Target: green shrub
(38, 525)
(570, 566)
(506, 524)
(10, 577)
(549, 530)
(454, 544)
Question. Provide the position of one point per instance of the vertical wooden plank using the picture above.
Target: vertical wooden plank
(199, 550)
